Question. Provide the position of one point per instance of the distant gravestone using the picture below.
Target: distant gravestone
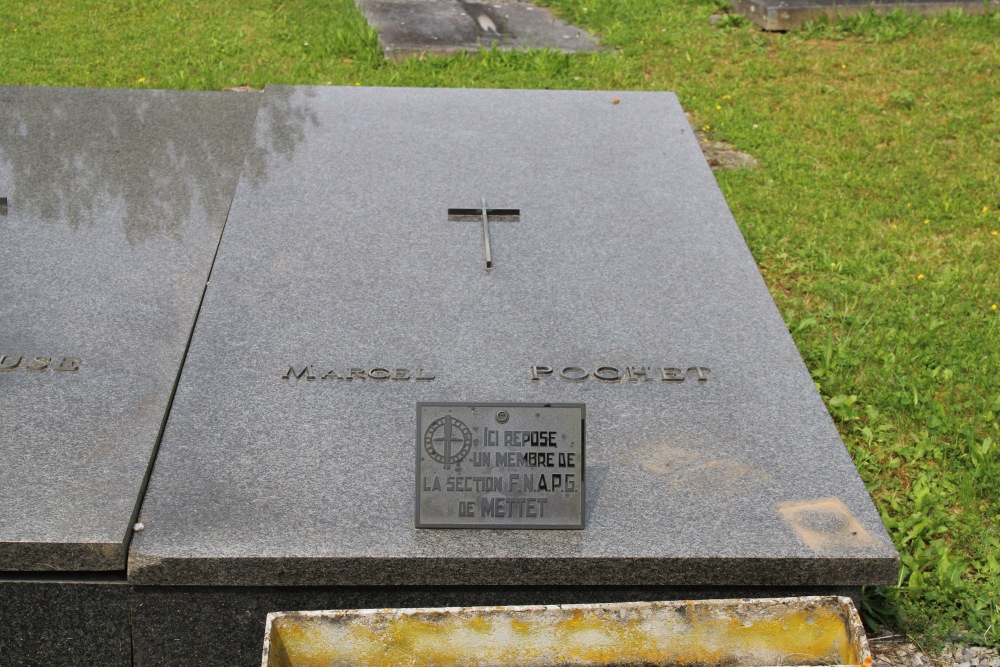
(470, 253)
(114, 203)
(779, 15)
(411, 27)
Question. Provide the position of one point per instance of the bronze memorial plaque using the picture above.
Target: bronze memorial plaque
(500, 465)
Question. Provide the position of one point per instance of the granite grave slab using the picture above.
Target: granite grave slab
(114, 203)
(350, 286)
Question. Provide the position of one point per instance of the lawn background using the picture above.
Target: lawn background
(874, 214)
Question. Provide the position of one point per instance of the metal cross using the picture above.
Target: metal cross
(484, 213)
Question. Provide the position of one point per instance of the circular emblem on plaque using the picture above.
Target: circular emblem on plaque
(447, 440)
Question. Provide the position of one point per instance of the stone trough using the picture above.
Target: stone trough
(735, 633)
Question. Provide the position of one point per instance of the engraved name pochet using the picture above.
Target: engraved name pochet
(623, 374)
(39, 364)
(377, 374)
(500, 466)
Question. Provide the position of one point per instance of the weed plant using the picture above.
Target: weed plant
(874, 215)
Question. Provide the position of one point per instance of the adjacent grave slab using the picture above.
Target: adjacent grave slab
(115, 202)
(408, 27)
(349, 288)
(789, 14)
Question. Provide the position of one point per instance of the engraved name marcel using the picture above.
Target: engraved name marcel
(39, 364)
(377, 374)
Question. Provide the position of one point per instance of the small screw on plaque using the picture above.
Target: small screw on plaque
(502, 416)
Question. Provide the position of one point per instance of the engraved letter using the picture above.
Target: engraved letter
(573, 374)
(5, 362)
(488, 506)
(306, 371)
(608, 374)
(671, 375)
(331, 375)
(538, 371)
(378, 374)
(420, 377)
(401, 374)
(701, 371)
(69, 365)
(38, 364)
(633, 373)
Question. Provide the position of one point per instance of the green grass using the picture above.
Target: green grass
(874, 215)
